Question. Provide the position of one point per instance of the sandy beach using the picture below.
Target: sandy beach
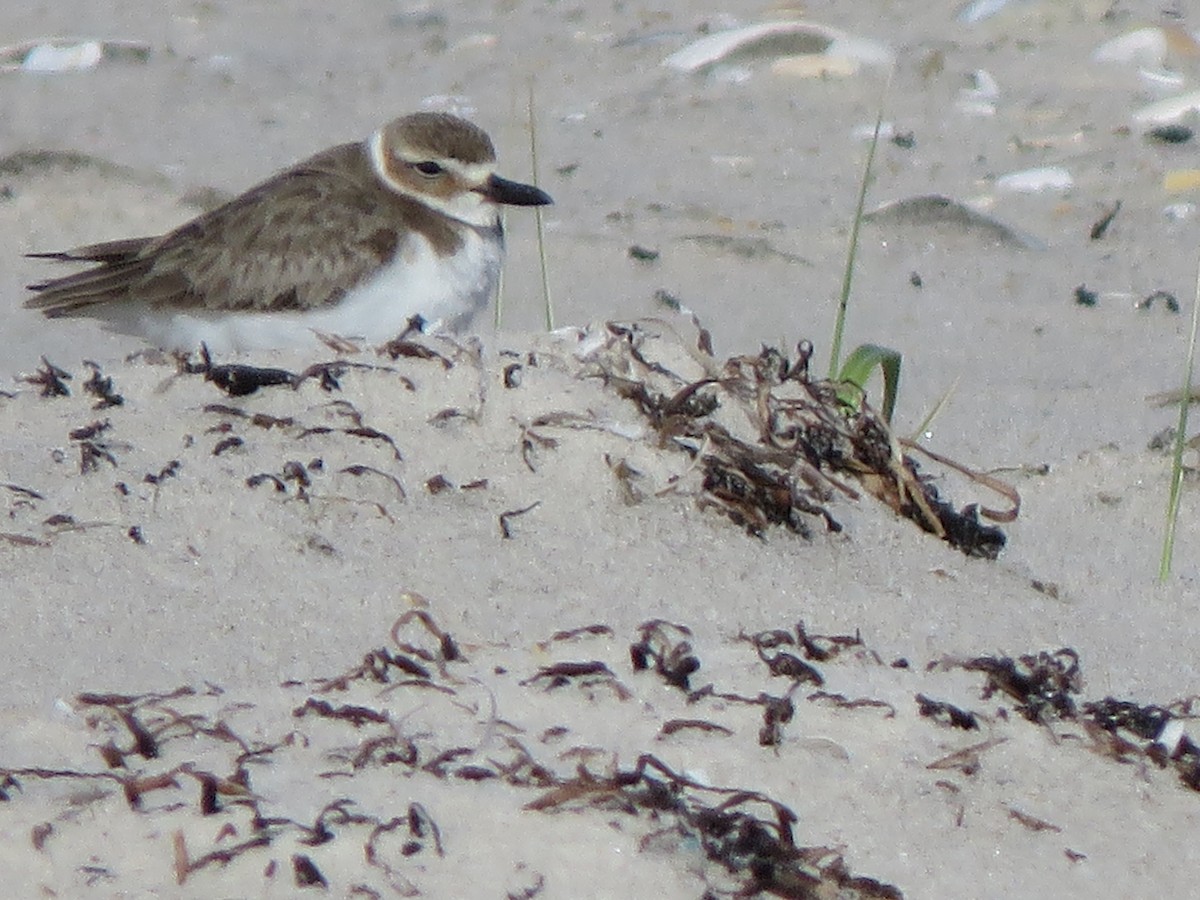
(464, 620)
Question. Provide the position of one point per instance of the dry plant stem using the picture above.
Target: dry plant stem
(934, 412)
(1164, 568)
(1000, 487)
(498, 318)
(547, 304)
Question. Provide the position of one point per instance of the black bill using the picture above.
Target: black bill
(513, 193)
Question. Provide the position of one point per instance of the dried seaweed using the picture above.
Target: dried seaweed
(825, 647)
(412, 831)
(1146, 722)
(101, 387)
(571, 634)
(50, 379)
(87, 432)
(786, 665)
(777, 711)
(505, 518)
(447, 649)
(946, 713)
(401, 345)
(226, 444)
(355, 715)
(294, 472)
(360, 470)
(672, 658)
(24, 492)
(759, 852)
(841, 701)
(673, 726)
(586, 674)
(531, 442)
(1042, 684)
(1033, 823)
(359, 429)
(968, 759)
(798, 444)
(22, 540)
(307, 873)
(262, 420)
(240, 380)
(40, 834)
(747, 837)
(93, 451)
(1156, 733)
(170, 470)
(745, 833)
(822, 648)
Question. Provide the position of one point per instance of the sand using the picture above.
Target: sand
(219, 561)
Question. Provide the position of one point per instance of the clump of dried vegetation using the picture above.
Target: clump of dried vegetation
(775, 445)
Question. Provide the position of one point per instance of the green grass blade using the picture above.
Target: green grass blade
(839, 325)
(1176, 492)
(858, 369)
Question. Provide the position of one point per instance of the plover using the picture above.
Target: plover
(352, 242)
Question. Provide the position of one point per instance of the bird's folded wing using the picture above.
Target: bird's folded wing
(297, 241)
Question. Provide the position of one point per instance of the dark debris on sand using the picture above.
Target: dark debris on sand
(192, 748)
(796, 445)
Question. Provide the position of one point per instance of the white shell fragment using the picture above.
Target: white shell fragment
(981, 97)
(978, 10)
(1179, 212)
(1168, 111)
(1162, 80)
(53, 55)
(49, 58)
(1148, 49)
(1145, 47)
(795, 46)
(1035, 181)
(1170, 736)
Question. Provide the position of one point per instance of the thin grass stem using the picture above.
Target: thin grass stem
(1176, 492)
(547, 302)
(839, 326)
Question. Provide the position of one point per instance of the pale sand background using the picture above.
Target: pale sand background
(247, 588)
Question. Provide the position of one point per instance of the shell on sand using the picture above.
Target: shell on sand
(68, 54)
(1033, 181)
(937, 209)
(778, 40)
(1147, 47)
(1168, 111)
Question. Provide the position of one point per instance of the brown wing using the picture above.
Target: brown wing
(296, 241)
(73, 294)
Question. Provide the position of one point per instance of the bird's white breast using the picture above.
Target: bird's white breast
(446, 291)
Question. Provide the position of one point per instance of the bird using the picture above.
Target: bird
(354, 242)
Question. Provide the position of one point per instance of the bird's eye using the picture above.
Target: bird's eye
(429, 168)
